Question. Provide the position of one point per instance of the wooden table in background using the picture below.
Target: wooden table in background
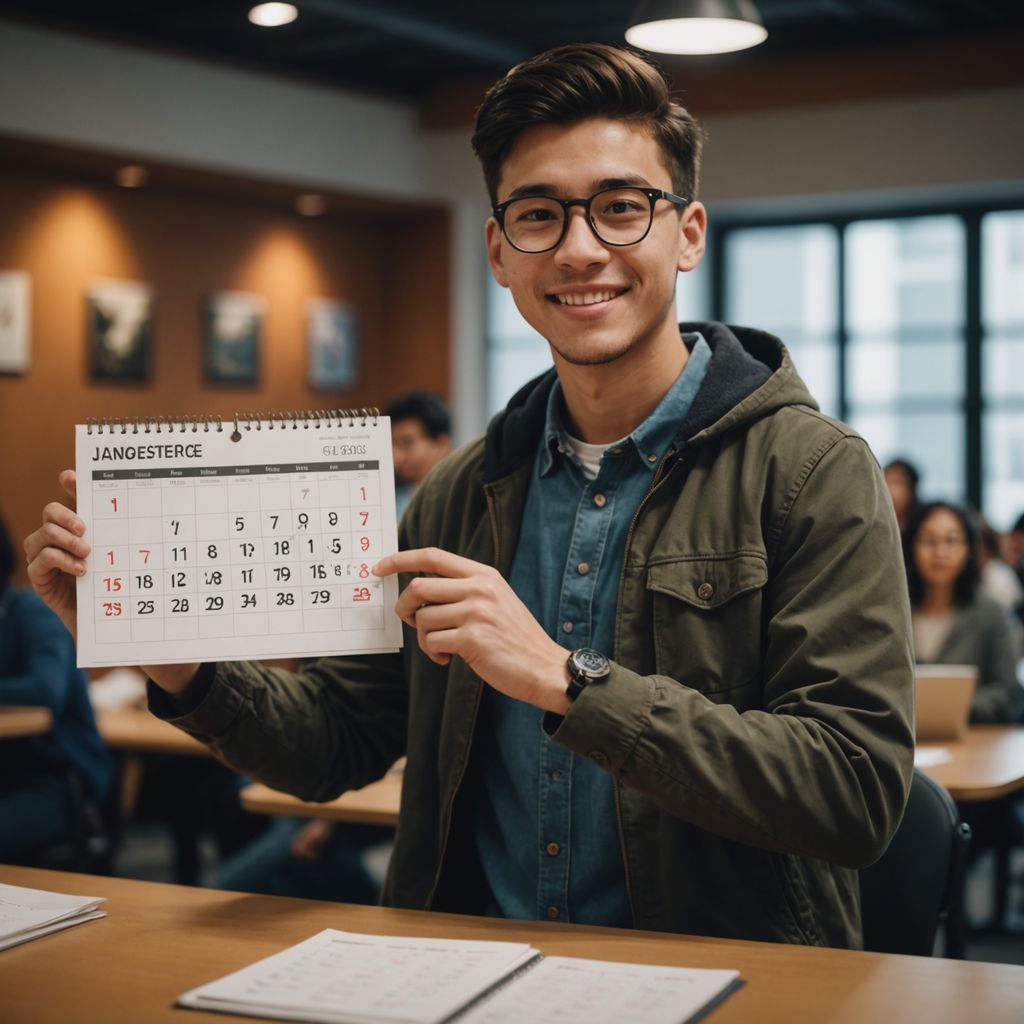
(136, 731)
(375, 804)
(24, 721)
(159, 941)
(988, 763)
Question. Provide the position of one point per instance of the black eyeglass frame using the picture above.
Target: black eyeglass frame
(653, 195)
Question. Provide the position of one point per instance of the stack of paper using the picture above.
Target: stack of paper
(347, 978)
(28, 913)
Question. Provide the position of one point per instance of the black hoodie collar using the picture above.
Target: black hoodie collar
(736, 371)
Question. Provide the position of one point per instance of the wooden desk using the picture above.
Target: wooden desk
(161, 940)
(375, 804)
(136, 731)
(987, 764)
(24, 721)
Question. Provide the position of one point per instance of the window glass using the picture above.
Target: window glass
(783, 280)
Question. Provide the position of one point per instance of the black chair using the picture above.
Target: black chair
(917, 884)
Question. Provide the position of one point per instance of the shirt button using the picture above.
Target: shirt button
(599, 758)
(600, 500)
(553, 849)
(566, 627)
(652, 458)
(583, 568)
(704, 591)
(556, 775)
(552, 912)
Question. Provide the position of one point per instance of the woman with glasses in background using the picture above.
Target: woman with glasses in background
(953, 623)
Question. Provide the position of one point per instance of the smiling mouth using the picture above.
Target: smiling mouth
(588, 298)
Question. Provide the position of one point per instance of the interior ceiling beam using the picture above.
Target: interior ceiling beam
(425, 31)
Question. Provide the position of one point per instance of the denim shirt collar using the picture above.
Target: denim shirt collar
(650, 438)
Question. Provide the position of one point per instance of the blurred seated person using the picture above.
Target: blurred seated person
(1013, 548)
(902, 479)
(999, 582)
(954, 624)
(313, 859)
(420, 438)
(37, 668)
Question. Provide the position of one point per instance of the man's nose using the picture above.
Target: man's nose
(580, 244)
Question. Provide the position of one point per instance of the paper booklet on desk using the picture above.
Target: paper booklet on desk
(340, 977)
(29, 913)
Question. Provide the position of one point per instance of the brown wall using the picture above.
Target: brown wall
(67, 234)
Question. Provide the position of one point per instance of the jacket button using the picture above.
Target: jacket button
(552, 912)
(552, 849)
(599, 758)
(704, 591)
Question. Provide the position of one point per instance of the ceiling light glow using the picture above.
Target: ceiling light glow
(696, 35)
(273, 15)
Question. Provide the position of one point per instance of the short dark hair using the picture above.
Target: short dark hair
(1018, 527)
(6, 557)
(965, 586)
(573, 83)
(427, 407)
(911, 471)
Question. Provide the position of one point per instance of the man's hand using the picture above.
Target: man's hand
(56, 554)
(467, 608)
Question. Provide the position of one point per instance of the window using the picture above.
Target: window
(910, 328)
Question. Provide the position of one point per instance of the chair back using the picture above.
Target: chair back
(917, 884)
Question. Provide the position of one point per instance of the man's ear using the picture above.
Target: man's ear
(492, 234)
(693, 228)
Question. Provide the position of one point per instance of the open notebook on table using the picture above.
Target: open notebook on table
(339, 977)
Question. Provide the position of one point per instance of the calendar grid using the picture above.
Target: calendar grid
(257, 558)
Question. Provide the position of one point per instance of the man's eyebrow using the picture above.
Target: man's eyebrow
(543, 188)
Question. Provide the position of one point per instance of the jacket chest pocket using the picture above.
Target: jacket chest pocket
(707, 621)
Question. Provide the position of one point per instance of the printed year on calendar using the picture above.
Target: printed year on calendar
(253, 551)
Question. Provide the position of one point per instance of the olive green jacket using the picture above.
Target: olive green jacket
(758, 717)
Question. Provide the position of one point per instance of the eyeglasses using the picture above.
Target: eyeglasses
(617, 216)
(950, 543)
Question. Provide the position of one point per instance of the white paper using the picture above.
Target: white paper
(929, 757)
(28, 913)
(569, 990)
(347, 977)
(206, 548)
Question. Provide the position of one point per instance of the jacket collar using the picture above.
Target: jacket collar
(750, 374)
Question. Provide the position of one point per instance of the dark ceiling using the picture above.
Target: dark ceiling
(407, 49)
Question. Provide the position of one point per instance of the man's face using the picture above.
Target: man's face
(623, 297)
(415, 452)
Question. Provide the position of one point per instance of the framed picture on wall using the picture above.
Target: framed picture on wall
(233, 324)
(120, 325)
(15, 313)
(333, 345)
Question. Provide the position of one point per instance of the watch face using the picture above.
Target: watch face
(590, 662)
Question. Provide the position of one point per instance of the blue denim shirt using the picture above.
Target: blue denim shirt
(545, 825)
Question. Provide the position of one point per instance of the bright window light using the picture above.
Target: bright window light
(696, 35)
(273, 15)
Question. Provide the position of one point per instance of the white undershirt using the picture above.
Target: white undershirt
(590, 454)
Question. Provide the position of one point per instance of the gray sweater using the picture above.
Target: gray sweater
(980, 636)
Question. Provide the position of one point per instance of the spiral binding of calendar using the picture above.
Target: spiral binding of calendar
(315, 418)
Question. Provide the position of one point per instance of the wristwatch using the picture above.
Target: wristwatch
(586, 666)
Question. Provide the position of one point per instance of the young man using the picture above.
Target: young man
(731, 736)
(420, 438)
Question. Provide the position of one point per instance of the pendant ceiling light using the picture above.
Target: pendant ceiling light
(696, 26)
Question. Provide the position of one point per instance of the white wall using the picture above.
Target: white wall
(82, 92)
